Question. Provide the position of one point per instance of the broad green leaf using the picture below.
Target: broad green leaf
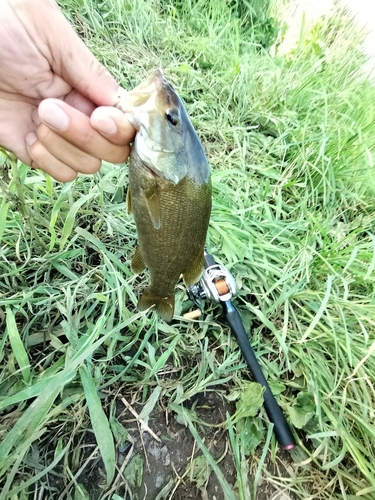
(118, 430)
(251, 400)
(251, 433)
(276, 387)
(200, 471)
(134, 471)
(303, 410)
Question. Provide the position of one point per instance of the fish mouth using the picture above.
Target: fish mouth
(159, 77)
(149, 166)
(146, 154)
(146, 163)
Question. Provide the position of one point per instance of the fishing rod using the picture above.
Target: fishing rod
(218, 285)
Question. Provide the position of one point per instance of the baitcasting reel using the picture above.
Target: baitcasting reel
(217, 285)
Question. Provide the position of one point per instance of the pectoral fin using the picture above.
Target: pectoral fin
(153, 205)
(138, 264)
(192, 275)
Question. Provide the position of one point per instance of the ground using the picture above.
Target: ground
(166, 462)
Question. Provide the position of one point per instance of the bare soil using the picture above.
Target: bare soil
(166, 467)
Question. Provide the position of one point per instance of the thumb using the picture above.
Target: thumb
(70, 59)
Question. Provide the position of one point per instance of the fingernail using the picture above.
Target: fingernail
(51, 114)
(106, 125)
(30, 138)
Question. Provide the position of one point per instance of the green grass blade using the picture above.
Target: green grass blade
(70, 218)
(99, 422)
(25, 484)
(17, 345)
(4, 206)
(321, 310)
(262, 460)
(30, 423)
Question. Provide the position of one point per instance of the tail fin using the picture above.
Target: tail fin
(164, 305)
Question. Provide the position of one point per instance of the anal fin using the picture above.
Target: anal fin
(192, 275)
(138, 264)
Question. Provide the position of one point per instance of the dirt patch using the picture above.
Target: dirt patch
(174, 458)
(167, 463)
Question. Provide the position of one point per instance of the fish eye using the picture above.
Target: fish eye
(173, 116)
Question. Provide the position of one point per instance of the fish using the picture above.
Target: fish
(169, 192)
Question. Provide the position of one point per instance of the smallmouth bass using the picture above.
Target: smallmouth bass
(169, 191)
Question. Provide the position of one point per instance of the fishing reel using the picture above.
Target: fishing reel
(216, 283)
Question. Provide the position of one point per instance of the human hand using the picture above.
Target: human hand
(50, 88)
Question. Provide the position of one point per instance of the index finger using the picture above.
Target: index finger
(75, 127)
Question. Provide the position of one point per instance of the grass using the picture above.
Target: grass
(291, 142)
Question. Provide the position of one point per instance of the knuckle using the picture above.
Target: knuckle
(118, 154)
(90, 166)
(44, 133)
(63, 174)
(96, 165)
(67, 176)
(33, 164)
(37, 152)
(42, 160)
(86, 140)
